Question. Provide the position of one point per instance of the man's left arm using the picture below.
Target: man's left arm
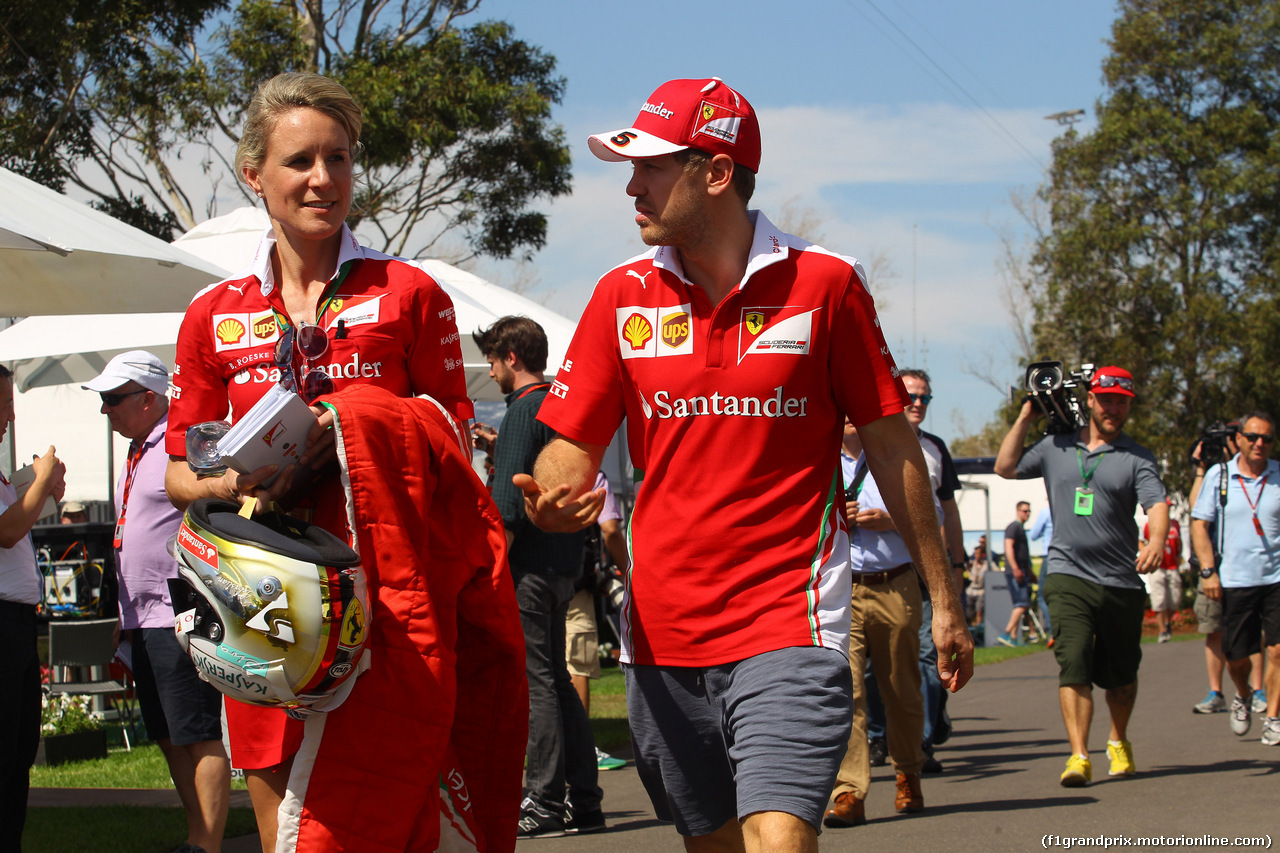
(953, 534)
(1151, 555)
(897, 463)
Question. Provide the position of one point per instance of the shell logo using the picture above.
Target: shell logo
(230, 331)
(265, 327)
(637, 331)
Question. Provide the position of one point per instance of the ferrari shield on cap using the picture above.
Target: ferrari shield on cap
(704, 114)
(273, 611)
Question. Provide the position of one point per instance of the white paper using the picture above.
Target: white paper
(273, 432)
(22, 480)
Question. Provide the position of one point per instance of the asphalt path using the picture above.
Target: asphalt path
(999, 791)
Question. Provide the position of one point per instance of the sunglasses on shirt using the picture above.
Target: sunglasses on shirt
(310, 342)
(923, 398)
(1258, 436)
(114, 400)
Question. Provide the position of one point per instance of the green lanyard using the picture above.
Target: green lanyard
(1087, 475)
(284, 322)
(1084, 495)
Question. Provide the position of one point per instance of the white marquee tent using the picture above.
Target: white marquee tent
(51, 355)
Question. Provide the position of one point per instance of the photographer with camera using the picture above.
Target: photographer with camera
(1216, 444)
(1247, 578)
(1095, 476)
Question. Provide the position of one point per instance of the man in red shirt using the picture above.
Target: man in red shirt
(735, 352)
(1164, 585)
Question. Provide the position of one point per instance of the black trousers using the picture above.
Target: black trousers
(19, 717)
(561, 748)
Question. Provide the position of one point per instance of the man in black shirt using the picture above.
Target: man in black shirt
(544, 567)
(1017, 559)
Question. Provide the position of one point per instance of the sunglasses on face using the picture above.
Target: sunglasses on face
(114, 400)
(1112, 381)
(926, 399)
(1258, 436)
(310, 342)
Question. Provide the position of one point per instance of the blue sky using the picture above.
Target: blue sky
(903, 127)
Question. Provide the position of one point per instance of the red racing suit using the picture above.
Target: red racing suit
(445, 702)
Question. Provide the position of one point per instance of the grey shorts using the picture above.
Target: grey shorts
(1208, 613)
(763, 734)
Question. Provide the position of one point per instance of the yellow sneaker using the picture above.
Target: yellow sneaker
(1079, 772)
(1121, 755)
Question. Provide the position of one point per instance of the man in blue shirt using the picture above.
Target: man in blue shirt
(886, 618)
(1247, 580)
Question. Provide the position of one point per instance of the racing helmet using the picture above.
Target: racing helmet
(272, 610)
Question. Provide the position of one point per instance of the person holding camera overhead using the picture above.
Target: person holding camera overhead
(1095, 476)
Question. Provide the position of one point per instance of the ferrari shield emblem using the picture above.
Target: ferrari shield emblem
(755, 322)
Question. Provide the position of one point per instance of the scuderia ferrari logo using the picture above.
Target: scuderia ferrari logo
(785, 330)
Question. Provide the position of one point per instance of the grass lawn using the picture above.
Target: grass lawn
(116, 829)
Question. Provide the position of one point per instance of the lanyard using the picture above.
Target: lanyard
(283, 322)
(1087, 475)
(1253, 503)
(135, 456)
(531, 389)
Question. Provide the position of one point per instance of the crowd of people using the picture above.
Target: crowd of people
(793, 562)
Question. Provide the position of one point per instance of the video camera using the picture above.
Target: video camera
(1053, 390)
(1213, 443)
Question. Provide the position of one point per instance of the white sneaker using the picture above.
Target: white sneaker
(1271, 732)
(1259, 704)
(1240, 716)
(1165, 636)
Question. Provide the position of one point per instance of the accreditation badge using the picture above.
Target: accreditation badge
(1084, 501)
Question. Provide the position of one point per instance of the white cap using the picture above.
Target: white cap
(134, 366)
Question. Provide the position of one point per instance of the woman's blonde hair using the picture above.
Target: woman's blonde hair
(286, 92)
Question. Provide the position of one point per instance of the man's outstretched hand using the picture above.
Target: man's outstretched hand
(552, 510)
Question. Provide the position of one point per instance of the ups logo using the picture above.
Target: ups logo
(265, 328)
(675, 329)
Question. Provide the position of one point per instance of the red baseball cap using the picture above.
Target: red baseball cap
(705, 114)
(1112, 380)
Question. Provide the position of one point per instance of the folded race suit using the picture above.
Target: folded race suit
(444, 705)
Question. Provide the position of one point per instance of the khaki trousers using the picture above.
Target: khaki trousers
(886, 627)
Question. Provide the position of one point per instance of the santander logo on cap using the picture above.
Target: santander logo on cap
(705, 114)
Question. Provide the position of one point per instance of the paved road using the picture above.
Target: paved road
(1000, 791)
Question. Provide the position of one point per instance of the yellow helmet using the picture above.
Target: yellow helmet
(272, 610)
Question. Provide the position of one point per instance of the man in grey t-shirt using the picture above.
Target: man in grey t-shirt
(1096, 478)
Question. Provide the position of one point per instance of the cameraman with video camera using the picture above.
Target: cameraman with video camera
(1095, 475)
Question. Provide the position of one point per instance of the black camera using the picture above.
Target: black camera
(1213, 441)
(1053, 391)
(610, 585)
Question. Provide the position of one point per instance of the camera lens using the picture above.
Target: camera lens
(1044, 379)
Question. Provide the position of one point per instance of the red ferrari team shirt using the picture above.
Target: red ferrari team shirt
(398, 332)
(734, 414)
